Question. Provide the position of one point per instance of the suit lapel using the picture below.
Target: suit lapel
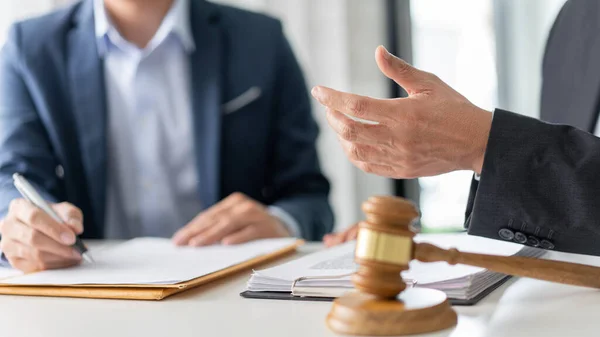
(86, 79)
(206, 92)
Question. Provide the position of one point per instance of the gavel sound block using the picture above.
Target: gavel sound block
(384, 307)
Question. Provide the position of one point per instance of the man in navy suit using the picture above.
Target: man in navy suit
(169, 118)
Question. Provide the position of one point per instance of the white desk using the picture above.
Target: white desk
(519, 308)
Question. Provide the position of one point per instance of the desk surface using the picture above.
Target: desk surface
(521, 307)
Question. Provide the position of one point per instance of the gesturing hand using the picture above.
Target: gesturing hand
(32, 240)
(236, 219)
(433, 131)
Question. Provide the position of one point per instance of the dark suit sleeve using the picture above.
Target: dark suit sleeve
(300, 188)
(24, 144)
(539, 181)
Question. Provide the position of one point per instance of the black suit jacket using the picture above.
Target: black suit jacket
(540, 183)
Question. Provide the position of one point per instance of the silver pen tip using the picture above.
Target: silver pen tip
(88, 258)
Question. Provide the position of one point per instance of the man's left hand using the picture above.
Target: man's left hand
(236, 219)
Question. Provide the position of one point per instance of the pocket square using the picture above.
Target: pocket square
(242, 100)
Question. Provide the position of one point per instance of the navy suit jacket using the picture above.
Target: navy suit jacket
(53, 116)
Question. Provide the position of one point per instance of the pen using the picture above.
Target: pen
(29, 192)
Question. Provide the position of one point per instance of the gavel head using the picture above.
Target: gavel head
(384, 245)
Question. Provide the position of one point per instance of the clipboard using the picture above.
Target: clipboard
(272, 295)
(143, 291)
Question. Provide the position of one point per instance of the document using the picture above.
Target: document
(151, 261)
(327, 273)
(6, 272)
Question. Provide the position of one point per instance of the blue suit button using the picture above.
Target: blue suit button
(533, 241)
(520, 238)
(546, 244)
(506, 234)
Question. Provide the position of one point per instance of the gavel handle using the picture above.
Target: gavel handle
(547, 270)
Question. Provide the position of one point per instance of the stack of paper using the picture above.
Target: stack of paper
(327, 273)
(145, 268)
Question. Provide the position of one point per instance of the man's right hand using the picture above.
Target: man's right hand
(32, 240)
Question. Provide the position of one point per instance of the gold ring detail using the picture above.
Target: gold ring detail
(383, 247)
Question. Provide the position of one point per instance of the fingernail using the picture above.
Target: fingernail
(386, 53)
(76, 254)
(67, 238)
(316, 92)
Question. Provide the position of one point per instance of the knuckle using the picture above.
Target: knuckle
(366, 167)
(14, 205)
(348, 132)
(37, 255)
(356, 153)
(43, 265)
(403, 67)
(69, 208)
(33, 216)
(29, 237)
(238, 196)
(254, 230)
(246, 206)
(356, 105)
(431, 77)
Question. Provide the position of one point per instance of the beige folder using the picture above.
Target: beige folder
(142, 291)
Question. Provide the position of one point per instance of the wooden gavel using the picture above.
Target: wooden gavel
(384, 249)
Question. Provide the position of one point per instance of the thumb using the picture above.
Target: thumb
(398, 70)
(71, 215)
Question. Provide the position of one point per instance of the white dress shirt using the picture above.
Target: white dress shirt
(152, 176)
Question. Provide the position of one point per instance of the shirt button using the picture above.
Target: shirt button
(520, 238)
(60, 171)
(533, 241)
(546, 244)
(506, 234)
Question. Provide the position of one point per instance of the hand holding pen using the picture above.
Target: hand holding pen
(38, 236)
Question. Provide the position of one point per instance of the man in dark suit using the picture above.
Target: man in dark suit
(161, 118)
(536, 182)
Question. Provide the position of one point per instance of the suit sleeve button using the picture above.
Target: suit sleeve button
(546, 244)
(533, 241)
(506, 234)
(520, 238)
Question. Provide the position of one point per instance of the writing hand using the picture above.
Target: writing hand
(32, 240)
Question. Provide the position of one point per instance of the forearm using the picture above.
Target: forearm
(540, 180)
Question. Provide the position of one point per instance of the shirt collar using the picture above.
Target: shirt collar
(177, 21)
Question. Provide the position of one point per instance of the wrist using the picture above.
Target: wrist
(482, 124)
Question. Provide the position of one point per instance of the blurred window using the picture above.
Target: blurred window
(454, 40)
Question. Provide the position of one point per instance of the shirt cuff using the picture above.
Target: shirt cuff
(287, 220)
(476, 176)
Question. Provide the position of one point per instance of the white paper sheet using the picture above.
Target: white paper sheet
(6, 272)
(153, 261)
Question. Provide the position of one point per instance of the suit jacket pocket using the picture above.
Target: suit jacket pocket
(246, 98)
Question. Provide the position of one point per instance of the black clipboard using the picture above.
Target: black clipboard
(288, 295)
